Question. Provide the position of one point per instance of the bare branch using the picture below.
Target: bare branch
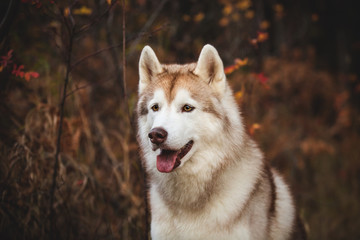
(115, 46)
(77, 88)
(124, 54)
(149, 22)
(96, 19)
(58, 141)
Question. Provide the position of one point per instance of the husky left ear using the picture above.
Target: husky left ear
(149, 66)
(210, 68)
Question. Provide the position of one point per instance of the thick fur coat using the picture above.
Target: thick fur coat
(207, 178)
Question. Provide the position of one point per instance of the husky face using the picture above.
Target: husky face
(180, 107)
(171, 129)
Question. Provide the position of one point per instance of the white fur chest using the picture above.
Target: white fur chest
(166, 225)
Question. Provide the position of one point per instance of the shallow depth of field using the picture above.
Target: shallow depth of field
(293, 66)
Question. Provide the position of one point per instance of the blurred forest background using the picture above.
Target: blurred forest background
(294, 67)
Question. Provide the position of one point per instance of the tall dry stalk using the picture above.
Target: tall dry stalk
(126, 159)
(124, 93)
(70, 31)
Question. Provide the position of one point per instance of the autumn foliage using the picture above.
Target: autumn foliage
(17, 71)
(293, 69)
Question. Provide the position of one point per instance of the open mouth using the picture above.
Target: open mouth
(168, 160)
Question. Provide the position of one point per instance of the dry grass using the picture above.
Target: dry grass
(309, 129)
(308, 132)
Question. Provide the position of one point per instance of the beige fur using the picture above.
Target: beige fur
(222, 189)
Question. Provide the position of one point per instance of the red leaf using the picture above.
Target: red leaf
(6, 60)
(35, 74)
(261, 77)
(37, 3)
(17, 71)
(80, 182)
(27, 76)
(9, 54)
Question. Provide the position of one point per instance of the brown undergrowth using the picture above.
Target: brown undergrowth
(308, 129)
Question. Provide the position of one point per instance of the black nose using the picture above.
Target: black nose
(158, 135)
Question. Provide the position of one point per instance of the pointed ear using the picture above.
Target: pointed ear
(149, 66)
(210, 68)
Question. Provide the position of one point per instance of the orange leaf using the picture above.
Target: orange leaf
(83, 11)
(264, 25)
(262, 36)
(230, 69)
(241, 62)
(186, 18)
(27, 76)
(239, 95)
(199, 17)
(238, 63)
(249, 14)
(278, 8)
(224, 21)
(227, 10)
(254, 42)
(243, 5)
(253, 128)
(66, 11)
(279, 11)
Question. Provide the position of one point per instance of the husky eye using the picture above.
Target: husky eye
(187, 108)
(155, 107)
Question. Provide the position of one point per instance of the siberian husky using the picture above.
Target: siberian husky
(207, 178)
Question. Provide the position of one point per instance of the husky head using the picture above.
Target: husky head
(183, 111)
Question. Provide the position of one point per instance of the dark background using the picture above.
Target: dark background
(299, 94)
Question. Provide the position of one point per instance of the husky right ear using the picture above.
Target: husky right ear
(149, 66)
(210, 68)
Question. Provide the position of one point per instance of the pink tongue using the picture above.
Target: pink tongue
(166, 161)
